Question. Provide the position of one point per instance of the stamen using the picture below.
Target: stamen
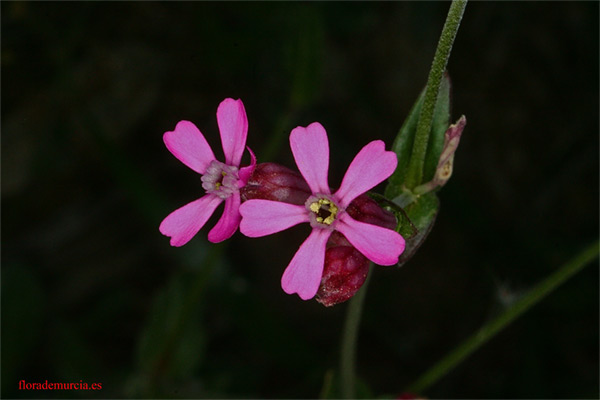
(323, 210)
(220, 179)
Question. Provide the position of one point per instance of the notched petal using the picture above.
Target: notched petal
(233, 126)
(380, 245)
(190, 147)
(310, 147)
(229, 221)
(371, 166)
(303, 274)
(183, 224)
(265, 217)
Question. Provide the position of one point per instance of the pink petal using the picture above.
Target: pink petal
(233, 125)
(182, 224)
(189, 146)
(303, 274)
(229, 221)
(245, 172)
(380, 245)
(310, 147)
(371, 166)
(264, 217)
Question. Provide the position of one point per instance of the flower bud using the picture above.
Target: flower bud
(451, 140)
(445, 165)
(365, 209)
(344, 273)
(345, 267)
(271, 181)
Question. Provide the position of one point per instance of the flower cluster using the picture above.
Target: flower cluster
(348, 227)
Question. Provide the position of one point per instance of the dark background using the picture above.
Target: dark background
(91, 291)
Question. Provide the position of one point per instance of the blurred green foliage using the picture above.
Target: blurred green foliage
(91, 291)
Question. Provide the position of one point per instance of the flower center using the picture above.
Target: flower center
(220, 179)
(322, 210)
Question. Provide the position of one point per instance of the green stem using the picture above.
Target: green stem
(414, 174)
(350, 336)
(490, 329)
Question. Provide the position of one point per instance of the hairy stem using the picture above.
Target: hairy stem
(414, 174)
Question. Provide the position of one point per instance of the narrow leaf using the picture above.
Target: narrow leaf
(440, 123)
(403, 144)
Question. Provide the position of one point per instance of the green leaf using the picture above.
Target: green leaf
(403, 144)
(422, 214)
(405, 226)
(403, 147)
(440, 123)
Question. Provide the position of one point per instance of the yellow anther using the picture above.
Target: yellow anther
(325, 211)
(314, 207)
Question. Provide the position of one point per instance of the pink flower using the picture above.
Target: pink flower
(222, 181)
(326, 212)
